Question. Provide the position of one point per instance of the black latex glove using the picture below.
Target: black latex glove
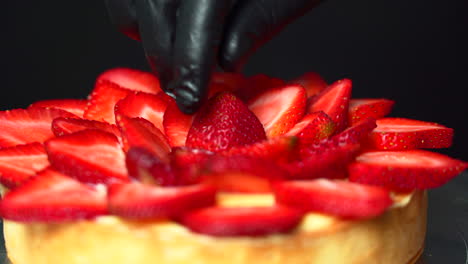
(184, 38)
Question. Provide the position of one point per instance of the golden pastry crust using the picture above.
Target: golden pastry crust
(396, 236)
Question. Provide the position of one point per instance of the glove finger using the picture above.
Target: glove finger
(122, 14)
(198, 35)
(157, 20)
(254, 22)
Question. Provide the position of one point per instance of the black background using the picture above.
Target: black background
(414, 52)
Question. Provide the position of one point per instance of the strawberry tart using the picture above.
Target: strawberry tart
(267, 171)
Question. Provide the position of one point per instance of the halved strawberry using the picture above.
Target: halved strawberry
(279, 109)
(52, 197)
(102, 100)
(140, 201)
(334, 197)
(139, 132)
(275, 149)
(334, 101)
(91, 156)
(312, 82)
(224, 122)
(176, 125)
(360, 109)
(19, 163)
(74, 106)
(403, 133)
(148, 106)
(242, 221)
(143, 165)
(132, 79)
(64, 126)
(23, 126)
(313, 128)
(405, 170)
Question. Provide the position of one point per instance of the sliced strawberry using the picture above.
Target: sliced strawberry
(91, 156)
(74, 106)
(64, 126)
(102, 101)
(334, 101)
(334, 197)
(140, 201)
(312, 82)
(176, 125)
(19, 163)
(327, 160)
(313, 128)
(132, 79)
(405, 170)
(188, 164)
(256, 85)
(143, 165)
(360, 109)
(403, 133)
(275, 149)
(243, 164)
(229, 80)
(242, 221)
(279, 109)
(356, 134)
(139, 132)
(148, 106)
(52, 197)
(23, 126)
(224, 122)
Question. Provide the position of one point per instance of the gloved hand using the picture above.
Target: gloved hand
(183, 39)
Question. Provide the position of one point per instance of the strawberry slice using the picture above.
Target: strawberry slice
(74, 106)
(229, 80)
(403, 133)
(23, 126)
(224, 122)
(176, 125)
(52, 197)
(91, 156)
(279, 109)
(143, 165)
(312, 82)
(313, 128)
(139, 132)
(356, 134)
(102, 101)
(238, 182)
(19, 163)
(132, 79)
(360, 109)
(405, 170)
(242, 221)
(275, 149)
(140, 201)
(188, 164)
(64, 126)
(334, 101)
(334, 197)
(148, 106)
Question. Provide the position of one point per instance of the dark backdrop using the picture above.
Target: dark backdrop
(414, 52)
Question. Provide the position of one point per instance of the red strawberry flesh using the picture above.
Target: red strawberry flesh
(405, 170)
(176, 125)
(360, 109)
(334, 197)
(74, 106)
(19, 163)
(242, 221)
(64, 126)
(132, 79)
(91, 156)
(140, 201)
(52, 197)
(312, 82)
